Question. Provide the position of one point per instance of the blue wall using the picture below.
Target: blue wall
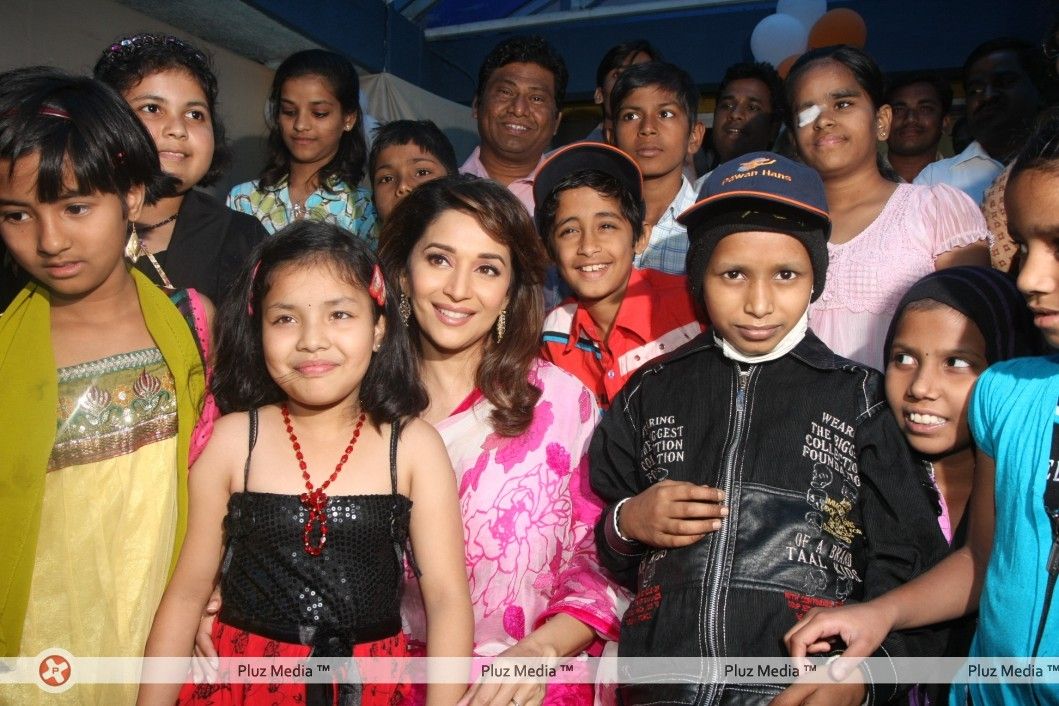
(903, 35)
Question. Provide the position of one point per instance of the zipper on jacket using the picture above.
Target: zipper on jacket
(732, 458)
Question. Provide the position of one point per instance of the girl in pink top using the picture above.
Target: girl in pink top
(884, 235)
(517, 430)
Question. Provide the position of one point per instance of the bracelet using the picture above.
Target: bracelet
(617, 530)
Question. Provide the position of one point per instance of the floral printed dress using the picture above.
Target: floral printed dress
(345, 206)
(528, 516)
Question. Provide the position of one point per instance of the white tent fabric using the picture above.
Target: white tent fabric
(393, 98)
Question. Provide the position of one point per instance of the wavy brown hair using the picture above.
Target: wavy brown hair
(503, 375)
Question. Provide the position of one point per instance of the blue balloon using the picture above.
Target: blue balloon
(805, 11)
(778, 36)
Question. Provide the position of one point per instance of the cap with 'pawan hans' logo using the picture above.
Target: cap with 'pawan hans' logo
(761, 191)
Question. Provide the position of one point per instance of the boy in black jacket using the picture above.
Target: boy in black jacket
(754, 474)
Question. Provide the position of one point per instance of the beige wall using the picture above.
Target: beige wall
(71, 34)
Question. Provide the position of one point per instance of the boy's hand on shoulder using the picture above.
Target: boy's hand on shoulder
(673, 514)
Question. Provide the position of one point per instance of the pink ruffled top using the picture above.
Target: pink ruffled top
(868, 275)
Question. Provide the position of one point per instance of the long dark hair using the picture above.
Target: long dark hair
(130, 60)
(348, 162)
(503, 375)
(390, 389)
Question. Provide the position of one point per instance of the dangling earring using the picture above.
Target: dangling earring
(501, 325)
(404, 309)
(132, 245)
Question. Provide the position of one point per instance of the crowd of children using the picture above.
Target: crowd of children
(786, 410)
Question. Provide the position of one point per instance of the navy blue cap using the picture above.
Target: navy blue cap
(759, 191)
(760, 176)
(581, 156)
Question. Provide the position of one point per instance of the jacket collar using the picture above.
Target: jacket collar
(810, 350)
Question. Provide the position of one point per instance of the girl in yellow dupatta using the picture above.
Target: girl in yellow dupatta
(102, 383)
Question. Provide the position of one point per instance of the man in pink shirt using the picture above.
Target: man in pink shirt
(521, 86)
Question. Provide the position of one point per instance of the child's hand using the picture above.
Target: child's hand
(862, 626)
(204, 666)
(673, 514)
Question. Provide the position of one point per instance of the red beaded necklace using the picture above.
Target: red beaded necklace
(315, 499)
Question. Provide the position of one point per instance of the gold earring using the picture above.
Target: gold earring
(501, 325)
(132, 245)
(404, 309)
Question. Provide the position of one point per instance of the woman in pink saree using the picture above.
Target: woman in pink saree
(517, 431)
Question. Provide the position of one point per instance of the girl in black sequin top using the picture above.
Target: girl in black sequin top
(311, 371)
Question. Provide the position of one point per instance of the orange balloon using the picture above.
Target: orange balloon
(839, 26)
(785, 66)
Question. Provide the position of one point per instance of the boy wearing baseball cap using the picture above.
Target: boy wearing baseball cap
(590, 213)
(754, 474)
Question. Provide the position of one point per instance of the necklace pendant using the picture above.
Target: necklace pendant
(318, 517)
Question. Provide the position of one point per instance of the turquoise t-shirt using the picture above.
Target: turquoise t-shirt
(1012, 413)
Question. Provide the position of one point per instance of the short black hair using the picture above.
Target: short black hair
(1029, 57)
(864, 69)
(130, 60)
(341, 76)
(529, 50)
(1040, 152)
(79, 127)
(606, 185)
(935, 81)
(618, 54)
(660, 74)
(422, 133)
(759, 71)
(390, 389)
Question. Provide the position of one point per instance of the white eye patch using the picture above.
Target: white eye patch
(808, 115)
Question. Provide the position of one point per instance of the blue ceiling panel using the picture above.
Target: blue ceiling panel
(903, 35)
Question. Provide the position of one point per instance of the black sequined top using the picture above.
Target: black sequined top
(348, 594)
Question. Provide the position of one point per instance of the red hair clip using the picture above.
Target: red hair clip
(377, 288)
(53, 112)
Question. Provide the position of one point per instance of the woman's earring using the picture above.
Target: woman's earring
(404, 309)
(501, 325)
(132, 245)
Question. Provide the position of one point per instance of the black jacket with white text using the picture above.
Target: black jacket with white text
(825, 506)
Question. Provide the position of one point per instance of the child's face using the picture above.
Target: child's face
(593, 244)
(653, 127)
(318, 333)
(173, 107)
(756, 288)
(73, 246)
(937, 355)
(843, 136)
(1032, 200)
(398, 170)
(311, 120)
(458, 281)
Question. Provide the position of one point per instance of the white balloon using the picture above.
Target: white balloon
(778, 36)
(805, 11)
